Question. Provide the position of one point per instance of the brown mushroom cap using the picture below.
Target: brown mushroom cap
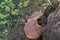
(36, 15)
(32, 29)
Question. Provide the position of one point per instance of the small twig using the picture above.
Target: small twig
(49, 2)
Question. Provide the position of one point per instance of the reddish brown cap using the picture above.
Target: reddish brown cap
(32, 29)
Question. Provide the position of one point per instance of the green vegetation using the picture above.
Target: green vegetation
(9, 15)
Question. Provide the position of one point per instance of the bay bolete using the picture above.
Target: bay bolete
(32, 29)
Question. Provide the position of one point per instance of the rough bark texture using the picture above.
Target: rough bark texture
(52, 31)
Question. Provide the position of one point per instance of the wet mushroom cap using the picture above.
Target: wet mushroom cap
(32, 29)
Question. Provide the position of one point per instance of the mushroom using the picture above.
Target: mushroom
(32, 29)
(36, 15)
